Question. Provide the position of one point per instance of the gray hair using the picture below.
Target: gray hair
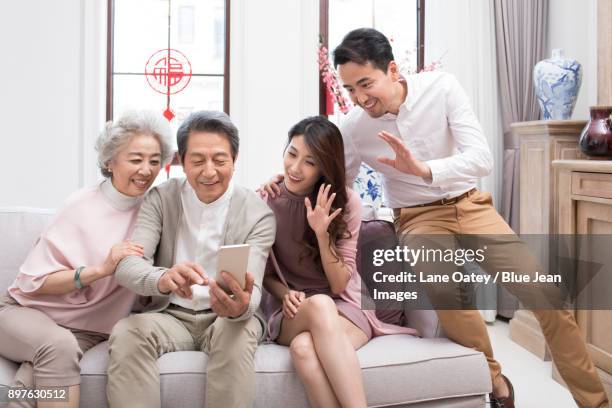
(118, 132)
(207, 121)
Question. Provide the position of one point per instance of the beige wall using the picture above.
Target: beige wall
(571, 27)
(604, 52)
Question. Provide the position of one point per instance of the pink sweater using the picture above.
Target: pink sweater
(82, 233)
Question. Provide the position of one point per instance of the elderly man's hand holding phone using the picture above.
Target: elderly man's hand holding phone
(237, 301)
(230, 294)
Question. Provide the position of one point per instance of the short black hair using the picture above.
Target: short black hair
(207, 121)
(364, 45)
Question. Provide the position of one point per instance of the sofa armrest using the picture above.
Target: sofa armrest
(425, 321)
(21, 227)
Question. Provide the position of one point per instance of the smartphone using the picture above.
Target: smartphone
(233, 259)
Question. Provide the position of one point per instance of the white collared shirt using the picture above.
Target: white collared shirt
(437, 124)
(199, 237)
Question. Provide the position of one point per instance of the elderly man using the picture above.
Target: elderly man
(181, 224)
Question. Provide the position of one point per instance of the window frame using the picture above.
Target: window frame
(110, 53)
(324, 32)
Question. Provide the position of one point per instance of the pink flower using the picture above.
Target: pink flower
(408, 62)
(329, 76)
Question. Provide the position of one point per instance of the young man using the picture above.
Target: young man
(181, 225)
(425, 121)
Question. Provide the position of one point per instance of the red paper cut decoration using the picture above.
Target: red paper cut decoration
(168, 71)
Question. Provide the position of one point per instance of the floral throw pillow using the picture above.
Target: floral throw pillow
(369, 187)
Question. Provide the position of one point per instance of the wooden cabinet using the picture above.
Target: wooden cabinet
(585, 207)
(540, 142)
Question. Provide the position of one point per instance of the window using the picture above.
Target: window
(140, 33)
(401, 21)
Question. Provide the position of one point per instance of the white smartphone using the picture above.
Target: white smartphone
(233, 259)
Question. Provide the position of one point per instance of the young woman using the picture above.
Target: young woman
(65, 299)
(312, 268)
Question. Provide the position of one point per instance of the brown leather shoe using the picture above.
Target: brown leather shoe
(507, 402)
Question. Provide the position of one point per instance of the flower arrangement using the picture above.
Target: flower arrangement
(332, 84)
(405, 65)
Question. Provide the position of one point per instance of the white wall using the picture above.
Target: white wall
(573, 27)
(52, 104)
(41, 103)
(274, 79)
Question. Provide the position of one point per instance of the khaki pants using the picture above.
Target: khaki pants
(476, 215)
(139, 340)
(49, 354)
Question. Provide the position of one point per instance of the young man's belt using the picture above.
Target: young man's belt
(444, 201)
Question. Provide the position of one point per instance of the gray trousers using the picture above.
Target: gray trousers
(49, 354)
(139, 340)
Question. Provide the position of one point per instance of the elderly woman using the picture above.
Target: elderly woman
(65, 299)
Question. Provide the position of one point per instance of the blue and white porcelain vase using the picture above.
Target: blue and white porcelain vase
(557, 82)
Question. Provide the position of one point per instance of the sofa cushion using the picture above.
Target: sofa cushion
(380, 234)
(397, 369)
(374, 235)
(403, 369)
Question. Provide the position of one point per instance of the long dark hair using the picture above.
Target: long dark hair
(324, 140)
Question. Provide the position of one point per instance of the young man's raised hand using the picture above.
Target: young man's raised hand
(404, 160)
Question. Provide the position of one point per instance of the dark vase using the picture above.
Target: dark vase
(596, 138)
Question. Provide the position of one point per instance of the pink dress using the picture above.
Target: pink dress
(82, 233)
(306, 273)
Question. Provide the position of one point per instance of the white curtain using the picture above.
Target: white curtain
(462, 34)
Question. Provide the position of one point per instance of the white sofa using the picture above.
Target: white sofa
(398, 370)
